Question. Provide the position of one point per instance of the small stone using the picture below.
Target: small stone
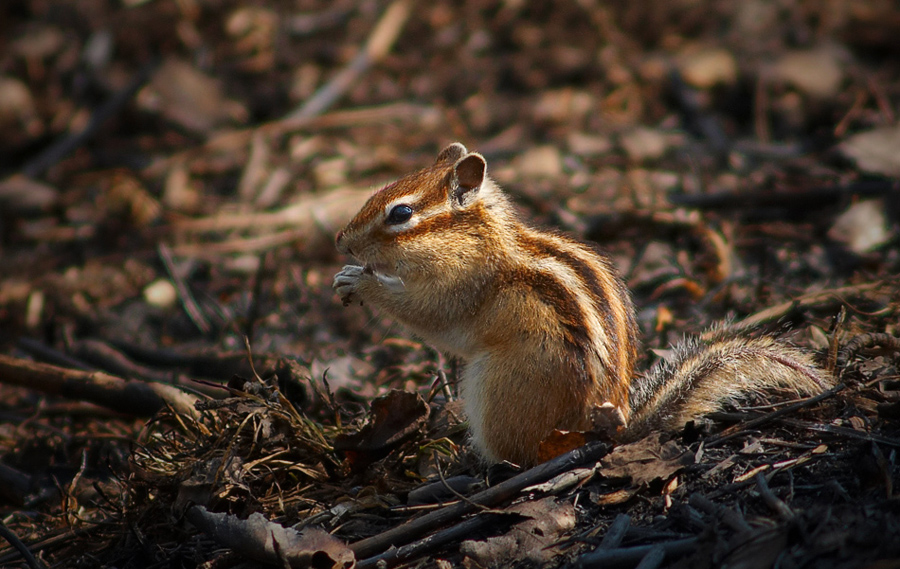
(19, 117)
(161, 293)
(817, 72)
(39, 44)
(583, 144)
(643, 143)
(192, 99)
(15, 99)
(20, 194)
(875, 151)
(563, 105)
(708, 68)
(540, 162)
(862, 228)
(35, 309)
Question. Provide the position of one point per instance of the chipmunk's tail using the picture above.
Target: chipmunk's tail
(704, 374)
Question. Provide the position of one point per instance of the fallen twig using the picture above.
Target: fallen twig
(125, 396)
(184, 292)
(14, 541)
(774, 502)
(865, 341)
(396, 555)
(631, 556)
(104, 356)
(218, 365)
(803, 302)
(770, 470)
(45, 353)
(842, 431)
(379, 44)
(309, 224)
(731, 518)
(413, 529)
(616, 532)
(736, 430)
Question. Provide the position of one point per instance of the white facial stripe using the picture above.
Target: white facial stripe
(408, 199)
(417, 217)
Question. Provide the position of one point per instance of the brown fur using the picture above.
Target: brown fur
(546, 327)
(702, 375)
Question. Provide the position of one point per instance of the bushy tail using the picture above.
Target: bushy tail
(703, 375)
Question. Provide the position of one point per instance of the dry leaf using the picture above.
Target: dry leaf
(190, 98)
(560, 442)
(393, 419)
(614, 498)
(607, 421)
(817, 72)
(19, 118)
(708, 67)
(646, 460)
(862, 228)
(540, 162)
(644, 143)
(19, 194)
(529, 540)
(268, 542)
(875, 151)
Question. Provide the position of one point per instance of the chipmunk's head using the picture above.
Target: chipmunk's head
(436, 212)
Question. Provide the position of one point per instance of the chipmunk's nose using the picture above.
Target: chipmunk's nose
(337, 239)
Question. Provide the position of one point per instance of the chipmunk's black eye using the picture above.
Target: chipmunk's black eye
(399, 214)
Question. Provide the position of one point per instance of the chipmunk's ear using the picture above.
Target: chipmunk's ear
(451, 154)
(468, 175)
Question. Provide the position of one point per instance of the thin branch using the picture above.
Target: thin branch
(866, 341)
(184, 292)
(122, 395)
(403, 554)
(616, 532)
(841, 431)
(379, 44)
(14, 540)
(413, 529)
(631, 556)
(736, 430)
(731, 518)
(804, 302)
(774, 502)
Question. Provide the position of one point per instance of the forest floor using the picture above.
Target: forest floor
(179, 383)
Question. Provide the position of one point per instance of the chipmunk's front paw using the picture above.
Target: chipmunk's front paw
(346, 282)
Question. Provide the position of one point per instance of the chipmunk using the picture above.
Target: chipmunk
(543, 322)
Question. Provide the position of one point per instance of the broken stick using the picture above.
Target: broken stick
(126, 396)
